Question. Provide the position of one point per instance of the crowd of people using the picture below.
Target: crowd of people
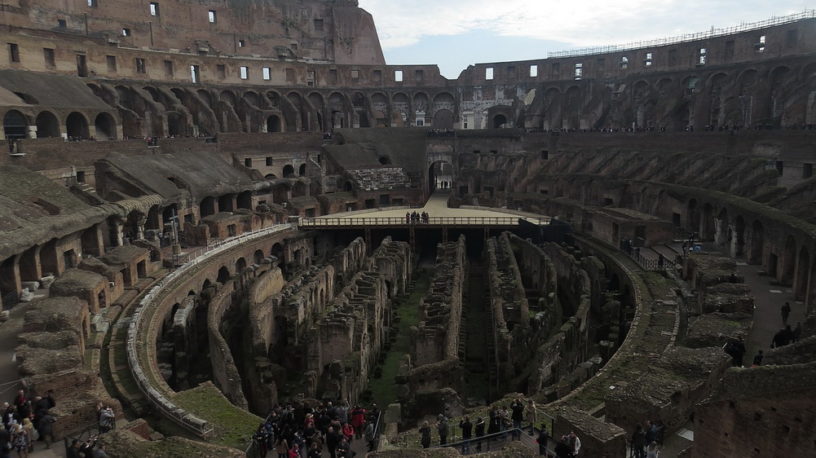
(647, 440)
(414, 218)
(25, 421)
(297, 430)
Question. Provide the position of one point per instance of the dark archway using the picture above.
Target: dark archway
(105, 127)
(277, 252)
(223, 275)
(273, 124)
(15, 125)
(708, 226)
(302, 170)
(77, 126)
(47, 125)
(245, 200)
(499, 121)
(207, 207)
(288, 171)
(258, 257)
(240, 265)
(788, 261)
(175, 125)
(440, 176)
(693, 217)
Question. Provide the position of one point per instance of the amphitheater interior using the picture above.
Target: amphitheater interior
(215, 212)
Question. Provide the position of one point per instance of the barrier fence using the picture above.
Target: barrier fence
(398, 221)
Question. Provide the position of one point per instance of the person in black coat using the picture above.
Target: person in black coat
(543, 439)
(562, 450)
(480, 431)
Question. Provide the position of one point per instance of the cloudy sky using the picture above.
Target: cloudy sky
(456, 33)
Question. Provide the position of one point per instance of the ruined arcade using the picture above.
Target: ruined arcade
(216, 215)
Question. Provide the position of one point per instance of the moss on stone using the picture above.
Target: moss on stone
(233, 426)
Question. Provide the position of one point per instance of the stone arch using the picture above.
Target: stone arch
(380, 110)
(258, 257)
(319, 104)
(228, 97)
(176, 124)
(223, 275)
(422, 108)
(302, 170)
(802, 275)
(288, 171)
(499, 121)
(756, 255)
(47, 125)
(105, 126)
(441, 175)
(401, 115)
(15, 125)
(76, 125)
(240, 265)
(277, 251)
(273, 124)
(337, 110)
(244, 200)
(205, 96)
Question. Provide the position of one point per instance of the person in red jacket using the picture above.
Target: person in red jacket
(348, 432)
(358, 420)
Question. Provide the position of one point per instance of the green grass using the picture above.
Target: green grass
(383, 389)
(233, 426)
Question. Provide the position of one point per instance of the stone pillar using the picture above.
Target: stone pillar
(720, 231)
(32, 131)
(733, 248)
(140, 227)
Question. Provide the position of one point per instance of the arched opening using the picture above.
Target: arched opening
(226, 203)
(789, 261)
(302, 170)
(207, 207)
(693, 217)
(348, 187)
(175, 125)
(757, 243)
(802, 274)
(15, 125)
(277, 252)
(240, 265)
(8, 283)
(288, 171)
(708, 226)
(245, 200)
(105, 127)
(442, 119)
(500, 121)
(223, 275)
(47, 125)
(440, 176)
(76, 126)
(273, 124)
(258, 257)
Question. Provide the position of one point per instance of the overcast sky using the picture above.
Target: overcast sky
(456, 33)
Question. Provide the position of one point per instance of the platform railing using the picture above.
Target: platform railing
(398, 221)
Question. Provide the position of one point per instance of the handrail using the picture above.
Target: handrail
(136, 333)
(744, 27)
(469, 444)
(400, 221)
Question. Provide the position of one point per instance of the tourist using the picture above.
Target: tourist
(425, 432)
(562, 450)
(517, 416)
(20, 441)
(442, 429)
(348, 432)
(736, 349)
(542, 440)
(638, 442)
(332, 440)
(786, 309)
(574, 443)
(370, 437)
(283, 448)
(480, 431)
(652, 451)
(758, 358)
(358, 420)
(407, 217)
(106, 419)
(782, 338)
(467, 432)
(344, 449)
(532, 415)
(32, 434)
(45, 426)
(294, 452)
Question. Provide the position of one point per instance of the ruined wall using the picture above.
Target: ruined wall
(436, 338)
(224, 370)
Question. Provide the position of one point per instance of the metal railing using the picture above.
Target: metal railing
(497, 440)
(136, 332)
(744, 27)
(399, 221)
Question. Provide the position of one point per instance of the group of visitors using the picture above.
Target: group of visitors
(786, 335)
(414, 218)
(25, 421)
(297, 430)
(647, 440)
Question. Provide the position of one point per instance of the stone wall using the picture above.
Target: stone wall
(436, 337)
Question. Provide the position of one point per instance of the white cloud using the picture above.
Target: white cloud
(577, 22)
